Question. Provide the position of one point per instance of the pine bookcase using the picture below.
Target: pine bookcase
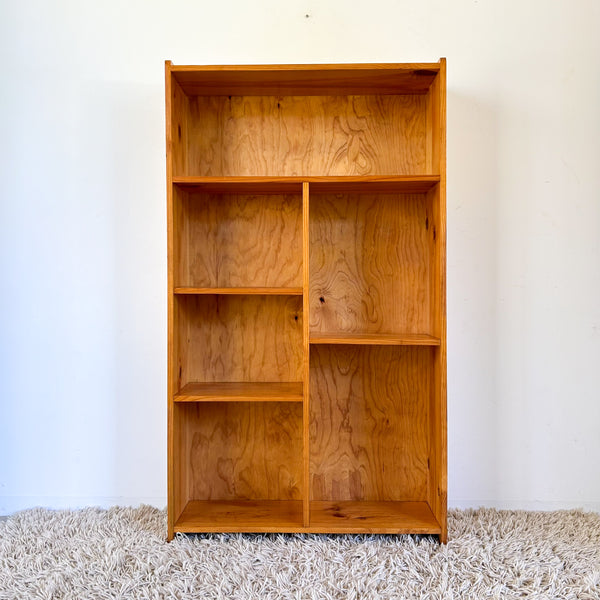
(306, 298)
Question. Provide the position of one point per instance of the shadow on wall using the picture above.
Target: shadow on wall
(472, 201)
(135, 122)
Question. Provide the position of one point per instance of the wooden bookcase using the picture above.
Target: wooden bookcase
(306, 293)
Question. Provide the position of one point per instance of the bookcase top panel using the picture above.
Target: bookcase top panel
(309, 80)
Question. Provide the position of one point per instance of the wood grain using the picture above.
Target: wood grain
(239, 338)
(306, 135)
(372, 517)
(247, 391)
(246, 516)
(239, 240)
(369, 416)
(244, 450)
(369, 264)
(374, 78)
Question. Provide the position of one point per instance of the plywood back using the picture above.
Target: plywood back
(369, 416)
(370, 263)
(238, 240)
(243, 450)
(239, 338)
(306, 135)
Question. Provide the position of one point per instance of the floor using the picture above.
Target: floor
(490, 554)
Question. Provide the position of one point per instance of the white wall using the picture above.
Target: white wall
(83, 243)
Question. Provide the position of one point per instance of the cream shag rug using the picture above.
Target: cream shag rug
(121, 553)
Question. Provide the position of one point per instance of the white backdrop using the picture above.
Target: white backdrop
(83, 232)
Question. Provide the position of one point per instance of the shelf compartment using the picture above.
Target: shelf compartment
(230, 452)
(237, 240)
(376, 339)
(372, 517)
(370, 265)
(246, 516)
(241, 392)
(239, 291)
(409, 184)
(237, 339)
(369, 416)
(271, 135)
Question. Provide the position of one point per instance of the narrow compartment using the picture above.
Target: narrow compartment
(238, 466)
(232, 240)
(369, 415)
(370, 266)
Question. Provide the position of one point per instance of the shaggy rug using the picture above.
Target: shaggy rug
(121, 553)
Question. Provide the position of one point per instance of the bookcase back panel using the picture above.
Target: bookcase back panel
(370, 263)
(239, 240)
(243, 450)
(369, 414)
(306, 135)
(238, 338)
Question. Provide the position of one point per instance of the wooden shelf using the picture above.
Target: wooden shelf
(401, 184)
(264, 516)
(246, 516)
(239, 185)
(372, 517)
(407, 184)
(240, 291)
(241, 392)
(375, 339)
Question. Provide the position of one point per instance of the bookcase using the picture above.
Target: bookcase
(306, 298)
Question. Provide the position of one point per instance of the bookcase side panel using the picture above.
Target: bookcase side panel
(438, 500)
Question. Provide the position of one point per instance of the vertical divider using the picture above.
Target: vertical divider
(306, 353)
